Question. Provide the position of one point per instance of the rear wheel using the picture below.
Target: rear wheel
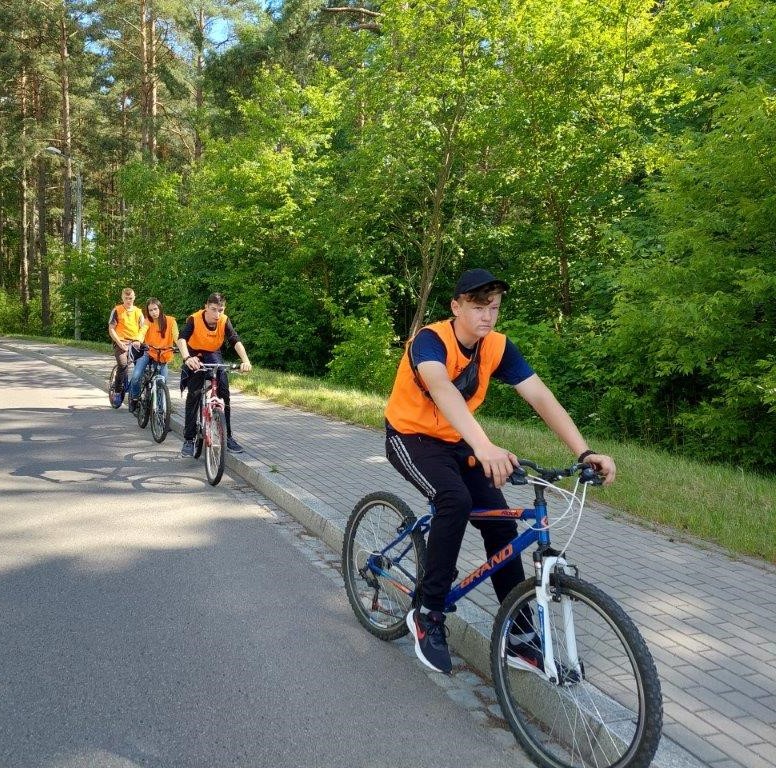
(607, 710)
(160, 412)
(382, 564)
(116, 388)
(215, 446)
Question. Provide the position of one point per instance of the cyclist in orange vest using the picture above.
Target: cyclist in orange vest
(201, 341)
(126, 327)
(432, 436)
(161, 332)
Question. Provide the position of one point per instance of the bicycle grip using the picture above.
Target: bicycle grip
(589, 475)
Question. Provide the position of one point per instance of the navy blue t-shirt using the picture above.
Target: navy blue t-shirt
(427, 347)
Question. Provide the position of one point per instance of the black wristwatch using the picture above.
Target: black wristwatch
(582, 456)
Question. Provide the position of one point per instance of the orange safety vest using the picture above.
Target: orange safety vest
(154, 338)
(203, 339)
(411, 412)
(129, 323)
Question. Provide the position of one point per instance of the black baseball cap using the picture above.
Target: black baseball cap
(473, 279)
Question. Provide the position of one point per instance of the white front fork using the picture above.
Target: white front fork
(543, 599)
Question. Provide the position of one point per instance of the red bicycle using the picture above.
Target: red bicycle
(211, 423)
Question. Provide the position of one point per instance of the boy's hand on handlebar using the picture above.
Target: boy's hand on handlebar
(497, 463)
(245, 366)
(193, 363)
(604, 465)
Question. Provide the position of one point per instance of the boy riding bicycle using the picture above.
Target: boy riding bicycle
(126, 328)
(201, 341)
(432, 435)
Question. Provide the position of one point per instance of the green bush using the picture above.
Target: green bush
(14, 319)
(568, 360)
(281, 323)
(10, 313)
(367, 355)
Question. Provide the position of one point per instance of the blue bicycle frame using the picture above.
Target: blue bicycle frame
(536, 533)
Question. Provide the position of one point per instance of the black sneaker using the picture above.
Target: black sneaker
(233, 446)
(430, 635)
(187, 449)
(132, 404)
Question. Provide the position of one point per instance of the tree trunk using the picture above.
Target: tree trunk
(4, 260)
(198, 94)
(68, 226)
(24, 228)
(43, 266)
(431, 251)
(148, 82)
(24, 255)
(40, 240)
(153, 85)
(67, 167)
(144, 88)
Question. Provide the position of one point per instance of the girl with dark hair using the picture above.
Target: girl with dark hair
(162, 333)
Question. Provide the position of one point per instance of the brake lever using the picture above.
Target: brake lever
(519, 477)
(589, 475)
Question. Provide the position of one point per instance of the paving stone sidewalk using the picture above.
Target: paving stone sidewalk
(709, 619)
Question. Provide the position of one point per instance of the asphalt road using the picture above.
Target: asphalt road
(147, 619)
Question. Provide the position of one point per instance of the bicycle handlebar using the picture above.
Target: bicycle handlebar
(145, 347)
(210, 369)
(587, 474)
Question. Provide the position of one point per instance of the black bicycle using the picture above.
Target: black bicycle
(118, 381)
(154, 401)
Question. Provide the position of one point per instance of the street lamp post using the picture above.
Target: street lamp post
(78, 227)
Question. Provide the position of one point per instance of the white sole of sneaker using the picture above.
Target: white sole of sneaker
(410, 621)
(517, 663)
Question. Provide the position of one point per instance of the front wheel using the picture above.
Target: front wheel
(160, 412)
(215, 446)
(382, 564)
(607, 709)
(143, 407)
(116, 388)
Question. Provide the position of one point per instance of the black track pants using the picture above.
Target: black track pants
(193, 394)
(439, 470)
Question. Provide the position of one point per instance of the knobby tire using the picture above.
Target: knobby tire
(215, 446)
(382, 596)
(612, 716)
(143, 408)
(160, 413)
(115, 388)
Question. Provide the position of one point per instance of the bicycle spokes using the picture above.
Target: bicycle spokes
(382, 567)
(592, 700)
